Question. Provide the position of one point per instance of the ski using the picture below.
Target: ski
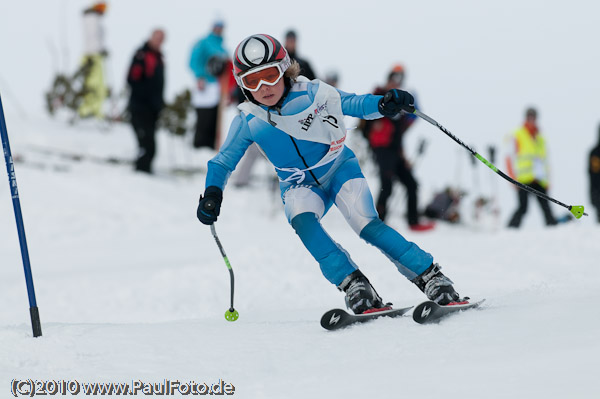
(430, 312)
(337, 318)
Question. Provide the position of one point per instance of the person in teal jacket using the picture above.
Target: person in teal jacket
(206, 62)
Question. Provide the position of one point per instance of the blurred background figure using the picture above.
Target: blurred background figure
(332, 78)
(241, 176)
(385, 138)
(594, 172)
(207, 62)
(146, 79)
(94, 88)
(527, 163)
(445, 206)
(290, 46)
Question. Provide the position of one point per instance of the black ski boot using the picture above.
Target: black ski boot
(436, 286)
(361, 297)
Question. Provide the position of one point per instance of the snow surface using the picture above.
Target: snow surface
(131, 286)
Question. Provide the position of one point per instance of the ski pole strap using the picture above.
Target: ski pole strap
(576, 210)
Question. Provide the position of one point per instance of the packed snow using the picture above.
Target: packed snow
(131, 287)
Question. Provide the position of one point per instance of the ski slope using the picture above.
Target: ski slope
(132, 287)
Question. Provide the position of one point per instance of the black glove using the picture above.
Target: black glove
(395, 101)
(210, 205)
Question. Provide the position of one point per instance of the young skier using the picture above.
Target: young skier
(299, 126)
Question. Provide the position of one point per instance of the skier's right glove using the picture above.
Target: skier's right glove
(209, 207)
(395, 101)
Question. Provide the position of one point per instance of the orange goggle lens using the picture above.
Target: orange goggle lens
(253, 80)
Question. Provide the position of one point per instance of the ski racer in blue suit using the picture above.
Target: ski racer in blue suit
(299, 126)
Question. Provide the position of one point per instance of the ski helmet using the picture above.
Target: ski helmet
(256, 51)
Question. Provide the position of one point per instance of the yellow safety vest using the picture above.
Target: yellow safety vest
(531, 158)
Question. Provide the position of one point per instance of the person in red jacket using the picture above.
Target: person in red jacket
(146, 78)
(385, 137)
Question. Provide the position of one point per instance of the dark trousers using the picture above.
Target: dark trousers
(392, 166)
(515, 221)
(595, 194)
(206, 127)
(144, 126)
(596, 204)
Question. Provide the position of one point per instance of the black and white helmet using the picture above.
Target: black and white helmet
(259, 50)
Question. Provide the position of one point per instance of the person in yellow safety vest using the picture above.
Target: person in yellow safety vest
(95, 90)
(529, 166)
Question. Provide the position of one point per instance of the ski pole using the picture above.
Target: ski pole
(12, 180)
(576, 210)
(231, 314)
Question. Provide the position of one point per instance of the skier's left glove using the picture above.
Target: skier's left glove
(395, 101)
(209, 207)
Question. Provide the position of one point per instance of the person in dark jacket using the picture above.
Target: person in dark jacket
(385, 137)
(594, 172)
(146, 78)
(290, 44)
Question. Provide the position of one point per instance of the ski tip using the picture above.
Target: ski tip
(333, 319)
(423, 312)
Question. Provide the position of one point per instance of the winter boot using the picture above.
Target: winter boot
(436, 286)
(361, 297)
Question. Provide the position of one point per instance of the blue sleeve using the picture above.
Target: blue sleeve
(237, 142)
(360, 106)
(196, 64)
(199, 58)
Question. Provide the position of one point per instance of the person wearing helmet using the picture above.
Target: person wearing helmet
(299, 125)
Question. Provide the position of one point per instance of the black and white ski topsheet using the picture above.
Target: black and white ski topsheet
(337, 318)
(430, 312)
(424, 313)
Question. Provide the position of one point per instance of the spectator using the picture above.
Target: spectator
(94, 89)
(594, 171)
(146, 78)
(527, 163)
(206, 62)
(332, 78)
(290, 44)
(385, 137)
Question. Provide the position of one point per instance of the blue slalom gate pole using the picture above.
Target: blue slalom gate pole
(12, 180)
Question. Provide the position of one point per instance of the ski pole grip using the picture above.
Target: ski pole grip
(209, 205)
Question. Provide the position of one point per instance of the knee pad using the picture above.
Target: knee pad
(302, 199)
(355, 202)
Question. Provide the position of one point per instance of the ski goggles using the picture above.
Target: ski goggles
(268, 74)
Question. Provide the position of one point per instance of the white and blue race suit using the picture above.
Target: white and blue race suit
(304, 140)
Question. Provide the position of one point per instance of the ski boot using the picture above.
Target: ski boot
(437, 287)
(361, 297)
